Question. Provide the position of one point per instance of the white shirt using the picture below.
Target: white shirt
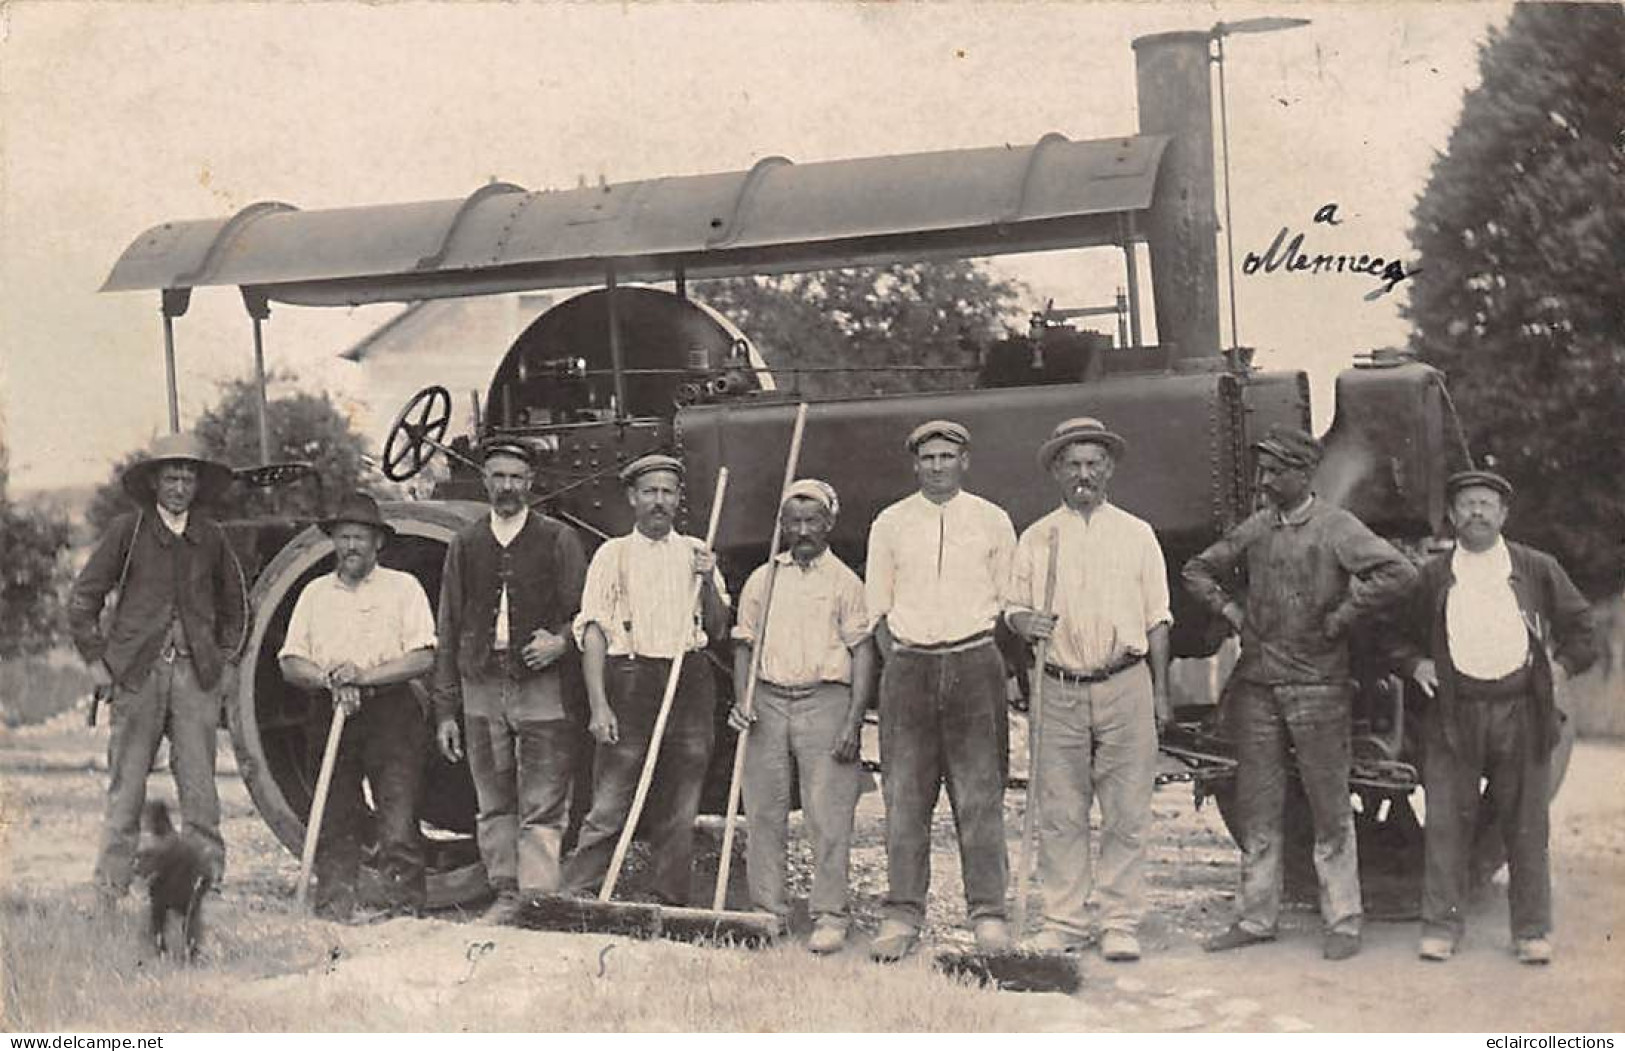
(1111, 584)
(640, 593)
(817, 616)
(938, 572)
(175, 522)
(384, 616)
(504, 530)
(1488, 637)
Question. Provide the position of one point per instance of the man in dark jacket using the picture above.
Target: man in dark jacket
(1312, 571)
(510, 589)
(1486, 623)
(169, 654)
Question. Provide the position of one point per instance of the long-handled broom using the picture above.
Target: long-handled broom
(1022, 971)
(639, 919)
(748, 703)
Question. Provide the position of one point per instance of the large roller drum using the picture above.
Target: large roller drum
(268, 718)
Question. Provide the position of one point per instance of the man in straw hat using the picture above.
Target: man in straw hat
(1488, 625)
(937, 571)
(1312, 570)
(635, 620)
(169, 654)
(1102, 699)
(362, 633)
(817, 672)
(510, 590)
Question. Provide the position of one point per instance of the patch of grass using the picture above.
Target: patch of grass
(64, 967)
(781, 989)
(33, 689)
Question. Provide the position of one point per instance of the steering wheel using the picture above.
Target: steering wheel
(417, 433)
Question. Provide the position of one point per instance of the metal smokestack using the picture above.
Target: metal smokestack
(1176, 99)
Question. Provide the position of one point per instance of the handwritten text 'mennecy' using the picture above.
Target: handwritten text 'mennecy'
(1292, 258)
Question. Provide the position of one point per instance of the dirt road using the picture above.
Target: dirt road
(49, 800)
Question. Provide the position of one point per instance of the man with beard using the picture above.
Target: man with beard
(170, 652)
(361, 634)
(1103, 702)
(1488, 623)
(1312, 571)
(938, 568)
(509, 590)
(635, 619)
(816, 677)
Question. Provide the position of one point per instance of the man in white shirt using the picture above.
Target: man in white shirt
(636, 617)
(1486, 625)
(510, 588)
(938, 566)
(361, 634)
(1102, 700)
(816, 678)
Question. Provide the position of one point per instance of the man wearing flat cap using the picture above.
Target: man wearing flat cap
(937, 572)
(1487, 625)
(359, 635)
(169, 654)
(816, 678)
(1311, 571)
(506, 667)
(1107, 667)
(635, 619)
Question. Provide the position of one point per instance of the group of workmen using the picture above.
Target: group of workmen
(533, 640)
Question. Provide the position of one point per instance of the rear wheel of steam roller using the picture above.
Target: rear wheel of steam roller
(268, 719)
(1388, 828)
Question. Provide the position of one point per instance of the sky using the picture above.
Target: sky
(115, 117)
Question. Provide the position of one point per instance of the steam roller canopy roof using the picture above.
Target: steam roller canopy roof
(778, 217)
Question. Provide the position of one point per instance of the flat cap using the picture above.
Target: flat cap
(817, 491)
(507, 447)
(1080, 429)
(1291, 446)
(1487, 479)
(954, 432)
(652, 462)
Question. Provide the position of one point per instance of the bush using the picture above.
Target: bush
(33, 577)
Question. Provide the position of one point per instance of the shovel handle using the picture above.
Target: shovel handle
(1035, 719)
(623, 844)
(318, 805)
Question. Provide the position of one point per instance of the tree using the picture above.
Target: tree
(1521, 293)
(33, 572)
(931, 318)
(304, 427)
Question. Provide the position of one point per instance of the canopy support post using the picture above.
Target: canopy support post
(616, 352)
(259, 308)
(1131, 264)
(174, 304)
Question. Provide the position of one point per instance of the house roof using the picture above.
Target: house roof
(777, 217)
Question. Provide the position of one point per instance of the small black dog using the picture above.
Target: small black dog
(178, 876)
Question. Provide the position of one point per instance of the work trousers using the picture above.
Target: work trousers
(1490, 739)
(791, 744)
(522, 758)
(635, 686)
(942, 720)
(1097, 740)
(170, 703)
(386, 742)
(1315, 720)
